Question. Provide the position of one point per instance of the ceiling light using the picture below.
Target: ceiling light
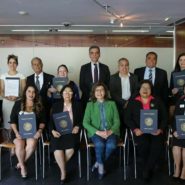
(163, 37)
(132, 31)
(23, 13)
(167, 18)
(121, 25)
(170, 31)
(67, 30)
(29, 30)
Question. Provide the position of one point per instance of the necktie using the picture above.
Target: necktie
(37, 83)
(150, 75)
(95, 73)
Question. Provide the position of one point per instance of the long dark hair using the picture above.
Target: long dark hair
(98, 84)
(63, 89)
(37, 106)
(177, 66)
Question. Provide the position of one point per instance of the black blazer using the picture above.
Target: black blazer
(46, 84)
(132, 113)
(160, 83)
(116, 90)
(76, 109)
(86, 80)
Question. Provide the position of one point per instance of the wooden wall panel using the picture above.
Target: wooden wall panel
(180, 39)
(83, 41)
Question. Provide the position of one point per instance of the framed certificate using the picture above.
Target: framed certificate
(63, 122)
(58, 83)
(27, 125)
(179, 79)
(12, 86)
(180, 126)
(148, 120)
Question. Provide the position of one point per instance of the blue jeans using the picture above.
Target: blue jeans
(104, 147)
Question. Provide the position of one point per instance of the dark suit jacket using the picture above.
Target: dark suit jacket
(160, 83)
(46, 84)
(116, 90)
(86, 80)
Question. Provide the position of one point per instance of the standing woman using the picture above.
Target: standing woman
(8, 101)
(25, 147)
(101, 120)
(64, 146)
(179, 144)
(62, 71)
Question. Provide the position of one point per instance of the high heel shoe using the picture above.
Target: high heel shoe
(23, 172)
(17, 167)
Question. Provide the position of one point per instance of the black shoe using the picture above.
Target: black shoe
(182, 181)
(100, 176)
(62, 181)
(175, 179)
(147, 175)
(94, 168)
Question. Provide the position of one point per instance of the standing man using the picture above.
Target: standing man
(123, 86)
(157, 76)
(42, 81)
(92, 73)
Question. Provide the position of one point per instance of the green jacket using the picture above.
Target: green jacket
(92, 119)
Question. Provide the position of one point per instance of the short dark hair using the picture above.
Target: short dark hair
(98, 84)
(145, 82)
(37, 58)
(63, 89)
(152, 53)
(123, 59)
(94, 47)
(12, 57)
(62, 65)
(177, 66)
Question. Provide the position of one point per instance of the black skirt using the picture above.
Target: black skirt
(64, 142)
(178, 142)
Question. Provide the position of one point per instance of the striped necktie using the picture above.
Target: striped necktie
(150, 75)
(37, 83)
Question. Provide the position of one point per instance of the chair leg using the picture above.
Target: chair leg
(79, 163)
(36, 166)
(169, 162)
(88, 151)
(135, 165)
(43, 162)
(40, 160)
(128, 148)
(0, 164)
(124, 164)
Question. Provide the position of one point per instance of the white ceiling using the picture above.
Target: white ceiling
(94, 15)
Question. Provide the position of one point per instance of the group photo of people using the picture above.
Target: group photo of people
(144, 103)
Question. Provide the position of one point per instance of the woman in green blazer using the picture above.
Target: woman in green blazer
(101, 120)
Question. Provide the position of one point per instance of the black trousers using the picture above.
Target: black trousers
(149, 150)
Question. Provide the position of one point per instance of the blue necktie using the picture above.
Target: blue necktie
(150, 75)
(95, 73)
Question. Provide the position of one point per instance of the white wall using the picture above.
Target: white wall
(74, 57)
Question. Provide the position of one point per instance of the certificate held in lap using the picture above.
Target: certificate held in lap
(148, 121)
(180, 126)
(63, 122)
(27, 125)
(179, 79)
(58, 83)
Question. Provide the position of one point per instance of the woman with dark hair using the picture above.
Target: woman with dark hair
(179, 66)
(101, 120)
(9, 100)
(25, 147)
(64, 146)
(179, 144)
(149, 145)
(62, 71)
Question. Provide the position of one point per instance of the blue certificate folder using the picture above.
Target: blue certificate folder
(58, 83)
(27, 125)
(148, 121)
(180, 126)
(63, 122)
(179, 79)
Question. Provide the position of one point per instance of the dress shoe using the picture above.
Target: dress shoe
(23, 173)
(100, 176)
(62, 181)
(94, 167)
(181, 181)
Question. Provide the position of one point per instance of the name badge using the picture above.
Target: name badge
(181, 105)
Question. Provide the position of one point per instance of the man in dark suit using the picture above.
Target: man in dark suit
(123, 86)
(42, 80)
(157, 76)
(91, 73)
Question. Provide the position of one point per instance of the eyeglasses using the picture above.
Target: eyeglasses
(67, 92)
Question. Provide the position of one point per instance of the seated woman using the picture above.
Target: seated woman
(25, 147)
(179, 144)
(62, 71)
(64, 145)
(101, 120)
(149, 145)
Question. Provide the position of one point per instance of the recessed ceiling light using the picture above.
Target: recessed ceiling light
(23, 13)
(131, 31)
(167, 18)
